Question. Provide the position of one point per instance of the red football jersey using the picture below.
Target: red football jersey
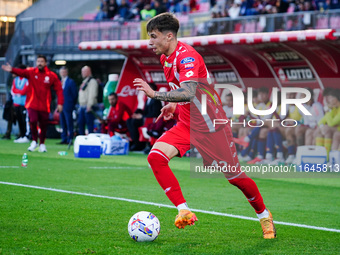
(39, 90)
(186, 64)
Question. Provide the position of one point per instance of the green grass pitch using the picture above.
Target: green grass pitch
(34, 221)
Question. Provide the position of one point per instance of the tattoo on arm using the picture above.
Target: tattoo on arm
(185, 93)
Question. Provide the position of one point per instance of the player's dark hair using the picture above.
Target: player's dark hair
(113, 94)
(42, 56)
(163, 22)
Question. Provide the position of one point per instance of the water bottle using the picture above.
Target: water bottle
(24, 160)
(110, 87)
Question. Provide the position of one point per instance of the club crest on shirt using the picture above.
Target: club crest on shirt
(47, 79)
(187, 60)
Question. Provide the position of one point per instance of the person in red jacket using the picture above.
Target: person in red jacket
(38, 98)
(116, 119)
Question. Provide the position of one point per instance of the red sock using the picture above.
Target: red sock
(250, 190)
(159, 163)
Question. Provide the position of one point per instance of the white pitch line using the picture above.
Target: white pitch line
(9, 167)
(169, 206)
(117, 167)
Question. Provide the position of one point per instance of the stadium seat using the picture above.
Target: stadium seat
(322, 22)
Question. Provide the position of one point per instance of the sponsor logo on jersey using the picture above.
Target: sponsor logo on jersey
(187, 60)
(189, 74)
(166, 64)
(189, 66)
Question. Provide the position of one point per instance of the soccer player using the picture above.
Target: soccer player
(189, 79)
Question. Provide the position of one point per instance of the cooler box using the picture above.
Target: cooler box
(87, 147)
(116, 146)
(334, 159)
(102, 137)
(311, 155)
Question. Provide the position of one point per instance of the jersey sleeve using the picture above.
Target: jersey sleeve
(22, 72)
(188, 64)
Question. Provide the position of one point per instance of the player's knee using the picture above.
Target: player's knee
(157, 157)
(238, 180)
(152, 158)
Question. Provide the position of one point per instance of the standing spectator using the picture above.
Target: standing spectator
(159, 7)
(70, 99)
(9, 115)
(192, 5)
(136, 7)
(87, 98)
(112, 9)
(148, 12)
(246, 7)
(103, 12)
(282, 6)
(124, 10)
(334, 4)
(38, 101)
(234, 10)
(119, 113)
(18, 91)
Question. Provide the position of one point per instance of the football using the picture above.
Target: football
(144, 227)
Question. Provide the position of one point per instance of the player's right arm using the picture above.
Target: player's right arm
(7, 67)
(20, 72)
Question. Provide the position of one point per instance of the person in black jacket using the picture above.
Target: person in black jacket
(9, 115)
